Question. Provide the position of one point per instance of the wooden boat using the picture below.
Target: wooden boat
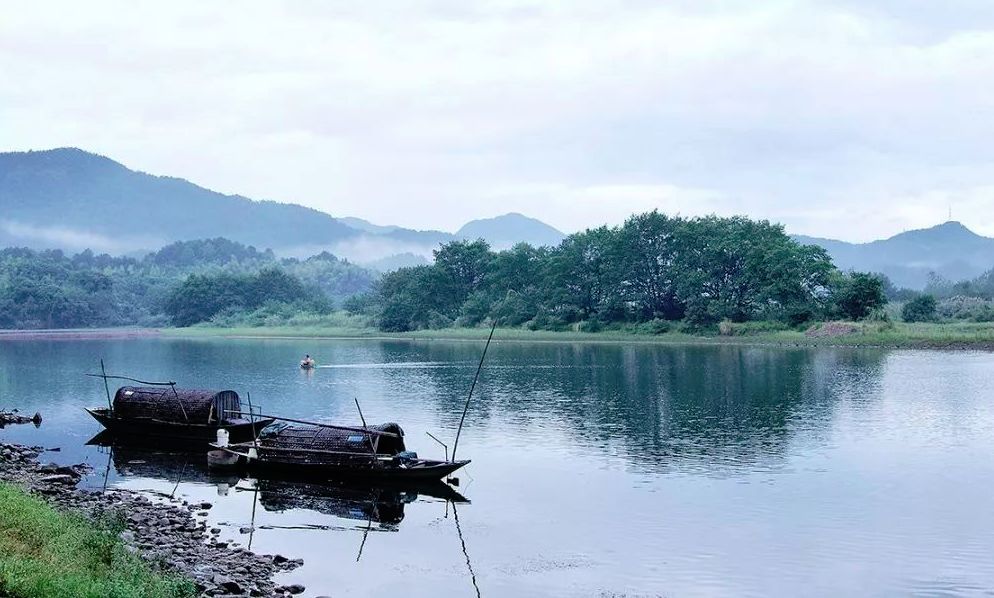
(182, 415)
(326, 452)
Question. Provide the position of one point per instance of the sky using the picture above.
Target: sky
(850, 119)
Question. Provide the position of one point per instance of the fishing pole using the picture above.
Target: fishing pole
(465, 408)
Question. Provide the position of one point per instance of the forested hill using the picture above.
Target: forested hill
(73, 200)
(96, 202)
(183, 283)
(948, 250)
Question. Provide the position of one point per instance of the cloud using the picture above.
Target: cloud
(428, 114)
(20, 234)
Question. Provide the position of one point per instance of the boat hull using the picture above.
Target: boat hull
(418, 470)
(200, 433)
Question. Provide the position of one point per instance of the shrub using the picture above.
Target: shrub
(590, 326)
(654, 326)
(857, 295)
(969, 309)
(919, 309)
(438, 321)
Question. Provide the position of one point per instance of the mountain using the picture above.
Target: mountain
(950, 250)
(73, 200)
(508, 230)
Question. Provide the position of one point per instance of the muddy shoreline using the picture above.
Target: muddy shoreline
(169, 534)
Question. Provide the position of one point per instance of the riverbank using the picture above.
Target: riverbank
(45, 552)
(76, 334)
(967, 336)
(116, 542)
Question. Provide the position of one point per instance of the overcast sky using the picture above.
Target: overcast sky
(853, 119)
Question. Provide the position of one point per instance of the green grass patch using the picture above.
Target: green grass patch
(958, 335)
(45, 553)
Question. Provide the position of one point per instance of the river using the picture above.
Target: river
(597, 469)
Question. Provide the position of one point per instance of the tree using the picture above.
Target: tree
(919, 309)
(582, 274)
(857, 294)
(647, 252)
(459, 271)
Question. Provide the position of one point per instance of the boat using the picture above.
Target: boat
(179, 415)
(326, 452)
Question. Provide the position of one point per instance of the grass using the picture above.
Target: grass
(45, 553)
(952, 335)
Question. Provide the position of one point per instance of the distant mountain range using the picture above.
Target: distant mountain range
(950, 250)
(73, 200)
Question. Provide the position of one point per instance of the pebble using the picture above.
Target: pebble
(166, 535)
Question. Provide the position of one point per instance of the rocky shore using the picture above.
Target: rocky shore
(14, 417)
(170, 535)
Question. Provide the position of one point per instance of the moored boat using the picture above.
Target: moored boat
(183, 415)
(326, 452)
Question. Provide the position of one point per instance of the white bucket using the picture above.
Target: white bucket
(222, 437)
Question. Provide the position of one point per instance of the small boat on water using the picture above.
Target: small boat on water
(327, 452)
(183, 415)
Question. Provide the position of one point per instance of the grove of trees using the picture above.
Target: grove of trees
(181, 284)
(653, 271)
(654, 268)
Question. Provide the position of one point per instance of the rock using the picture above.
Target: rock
(57, 479)
(245, 530)
(227, 584)
(295, 589)
(205, 506)
(279, 559)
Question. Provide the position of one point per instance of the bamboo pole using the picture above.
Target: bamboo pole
(103, 372)
(465, 408)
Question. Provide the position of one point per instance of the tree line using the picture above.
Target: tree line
(652, 269)
(181, 284)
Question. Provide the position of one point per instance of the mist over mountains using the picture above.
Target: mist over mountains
(73, 200)
(949, 250)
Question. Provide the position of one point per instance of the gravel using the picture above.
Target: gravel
(165, 533)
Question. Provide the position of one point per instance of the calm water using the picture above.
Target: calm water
(598, 470)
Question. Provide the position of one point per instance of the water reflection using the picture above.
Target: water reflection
(379, 503)
(597, 469)
(156, 459)
(702, 407)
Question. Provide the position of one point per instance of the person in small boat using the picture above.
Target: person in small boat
(307, 362)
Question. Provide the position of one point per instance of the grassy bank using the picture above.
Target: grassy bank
(883, 334)
(46, 553)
